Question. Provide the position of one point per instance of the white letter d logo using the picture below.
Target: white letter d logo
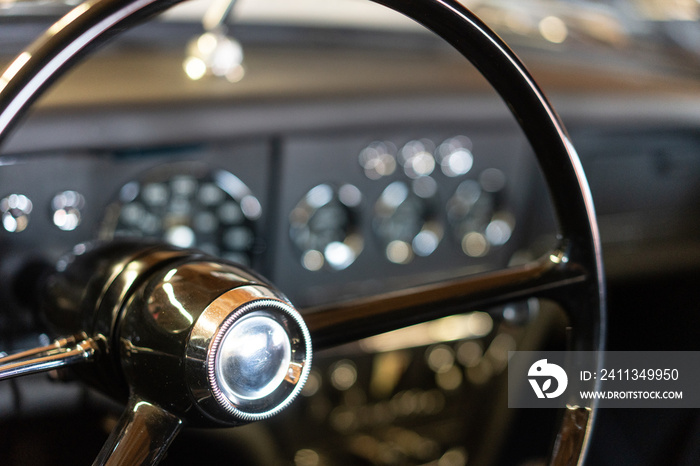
(543, 369)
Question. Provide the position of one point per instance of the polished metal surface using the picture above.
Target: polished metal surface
(141, 437)
(53, 347)
(572, 436)
(248, 356)
(259, 367)
(205, 342)
(174, 314)
(62, 353)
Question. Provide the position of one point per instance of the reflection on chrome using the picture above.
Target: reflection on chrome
(254, 358)
(176, 304)
(14, 68)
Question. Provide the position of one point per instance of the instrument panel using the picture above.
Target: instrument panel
(396, 208)
(324, 216)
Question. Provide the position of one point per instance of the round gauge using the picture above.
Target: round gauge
(324, 227)
(474, 214)
(405, 219)
(190, 207)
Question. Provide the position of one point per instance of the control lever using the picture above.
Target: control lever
(61, 353)
(184, 337)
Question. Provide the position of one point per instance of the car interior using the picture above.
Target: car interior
(386, 178)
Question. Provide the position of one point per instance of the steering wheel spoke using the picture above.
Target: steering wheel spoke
(552, 276)
(142, 435)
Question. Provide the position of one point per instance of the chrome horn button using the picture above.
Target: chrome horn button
(248, 356)
(254, 358)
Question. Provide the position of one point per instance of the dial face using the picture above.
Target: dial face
(189, 207)
(405, 219)
(324, 227)
(475, 217)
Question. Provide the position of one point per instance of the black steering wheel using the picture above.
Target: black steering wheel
(571, 274)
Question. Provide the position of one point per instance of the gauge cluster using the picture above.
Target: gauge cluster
(374, 212)
(189, 205)
(324, 216)
(186, 195)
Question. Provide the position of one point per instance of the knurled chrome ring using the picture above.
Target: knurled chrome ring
(285, 386)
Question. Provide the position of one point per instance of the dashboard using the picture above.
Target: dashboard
(337, 210)
(339, 170)
(351, 194)
(329, 199)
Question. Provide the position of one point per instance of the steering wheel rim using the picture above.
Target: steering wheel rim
(576, 264)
